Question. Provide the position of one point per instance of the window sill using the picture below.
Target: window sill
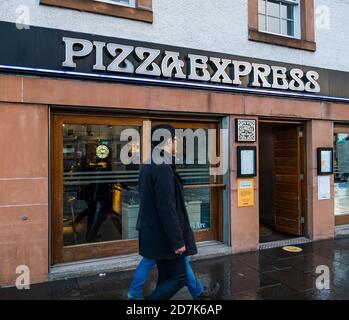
(259, 36)
(115, 10)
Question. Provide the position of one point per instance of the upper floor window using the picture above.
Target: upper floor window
(140, 10)
(279, 17)
(283, 22)
(129, 3)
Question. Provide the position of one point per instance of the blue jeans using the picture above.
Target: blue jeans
(142, 273)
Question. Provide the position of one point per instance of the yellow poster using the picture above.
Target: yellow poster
(245, 192)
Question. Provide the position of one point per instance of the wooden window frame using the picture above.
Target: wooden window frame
(71, 253)
(341, 219)
(307, 40)
(143, 11)
(216, 213)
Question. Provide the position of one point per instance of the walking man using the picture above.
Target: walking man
(165, 234)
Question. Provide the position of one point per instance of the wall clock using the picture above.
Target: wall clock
(102, 151)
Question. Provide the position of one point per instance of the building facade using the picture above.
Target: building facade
(270, 77)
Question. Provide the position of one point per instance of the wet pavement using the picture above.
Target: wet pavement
(264, 275)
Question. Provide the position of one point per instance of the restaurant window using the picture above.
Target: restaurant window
(98, 188)
(282, 22)
(200, 189)
(140, 10)
(341, 174)
(95, 199)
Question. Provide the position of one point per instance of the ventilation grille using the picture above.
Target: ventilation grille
(282, 243)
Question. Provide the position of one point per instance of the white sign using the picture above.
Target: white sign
(247, 162)
(324, 187)
(326, 161)
(246, 184)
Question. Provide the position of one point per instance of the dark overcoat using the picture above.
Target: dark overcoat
(163, 222)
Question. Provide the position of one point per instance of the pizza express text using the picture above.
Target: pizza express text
(127, 59)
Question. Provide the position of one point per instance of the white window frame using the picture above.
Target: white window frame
(132, 3)
(296, 19)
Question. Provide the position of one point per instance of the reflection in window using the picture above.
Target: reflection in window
(341, 170)
(197, 199)
(198, 207)
(100, 193)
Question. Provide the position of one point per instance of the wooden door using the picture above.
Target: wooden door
(288, 184)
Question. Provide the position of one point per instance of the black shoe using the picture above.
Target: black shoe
(209, 293)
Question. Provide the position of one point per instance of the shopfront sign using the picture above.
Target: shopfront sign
(127, 59)
(62, 53)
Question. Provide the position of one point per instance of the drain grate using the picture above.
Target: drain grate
(282, 243)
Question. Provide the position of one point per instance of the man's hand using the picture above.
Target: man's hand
(181, 250)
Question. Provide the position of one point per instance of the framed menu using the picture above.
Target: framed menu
(324, 161)
(247, 162)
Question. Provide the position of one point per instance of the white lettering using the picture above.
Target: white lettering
(223, 158)
(174, 68)
(198, 68)
(148, 67)
(189, 135)
(120, 63)
(312, 85)
(323, 280)
(158, 155)
(23, 17)
(23, 280)
(130, 152)
(221, 74)
(241, 69)
(322, 17)
(99, 55)
(154, 62)
(138, 310)
(261, 72)
(279, 74)
(70, 53)
(297, 75)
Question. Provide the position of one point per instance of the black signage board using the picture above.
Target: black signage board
(40, 50)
